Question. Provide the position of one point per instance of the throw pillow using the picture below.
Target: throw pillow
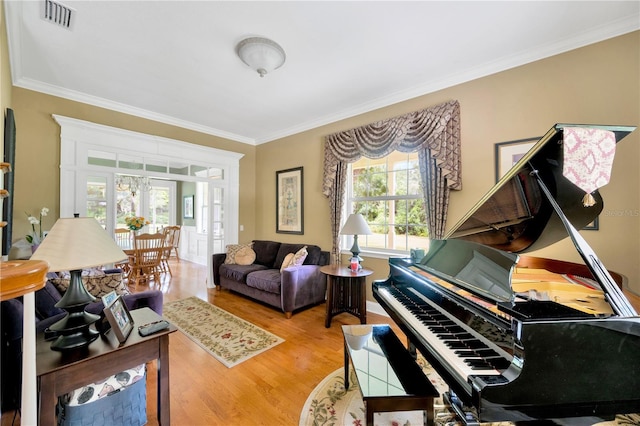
(299, 257)
(95, 281)
(287, 261)
(232, 250)
(294, 259)
(245, 256)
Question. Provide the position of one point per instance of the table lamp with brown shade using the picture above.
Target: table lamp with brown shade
(72, 245)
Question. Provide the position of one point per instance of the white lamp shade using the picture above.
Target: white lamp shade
(356, 225)
(261, 54)
(78, 243)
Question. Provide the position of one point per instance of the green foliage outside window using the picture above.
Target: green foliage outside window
(388, 193)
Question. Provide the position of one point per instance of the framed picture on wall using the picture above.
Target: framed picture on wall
(187, 207)
(509, 153)
(289, 201)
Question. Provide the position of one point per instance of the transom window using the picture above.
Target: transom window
(388, 193)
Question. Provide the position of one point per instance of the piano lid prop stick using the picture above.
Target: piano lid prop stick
(619, 302)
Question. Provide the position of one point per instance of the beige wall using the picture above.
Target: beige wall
(597, 84)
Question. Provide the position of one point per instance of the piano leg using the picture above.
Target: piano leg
(412, 349)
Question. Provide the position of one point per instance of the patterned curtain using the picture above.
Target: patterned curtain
(433, 132)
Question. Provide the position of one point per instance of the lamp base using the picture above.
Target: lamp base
(74, 341)
(73, 330)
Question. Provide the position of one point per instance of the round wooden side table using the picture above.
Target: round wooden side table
(346, 292)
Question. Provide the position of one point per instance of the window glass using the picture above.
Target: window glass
(101, 158)
(132, 163)
(97, 199)
(388, 193)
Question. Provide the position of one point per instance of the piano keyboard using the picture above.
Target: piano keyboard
(463, 348)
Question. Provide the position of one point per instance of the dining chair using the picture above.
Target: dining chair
(144, 263)
(166, 251)
(123, 238)
(172, 237)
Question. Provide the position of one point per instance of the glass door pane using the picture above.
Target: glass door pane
(158, 208)
(127, 203)
(217, 220)
(97, 199)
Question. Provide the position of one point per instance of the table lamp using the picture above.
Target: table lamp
(356, 225)
(71, 245)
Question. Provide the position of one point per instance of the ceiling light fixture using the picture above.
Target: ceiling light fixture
(261, 54)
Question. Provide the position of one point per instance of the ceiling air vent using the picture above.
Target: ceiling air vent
(58, 14)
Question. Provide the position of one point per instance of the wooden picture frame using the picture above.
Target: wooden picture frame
(290, 201)
(119, 318)
(509, 153)
(187, 207)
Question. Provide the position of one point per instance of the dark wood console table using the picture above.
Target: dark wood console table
(346, 292)
(60, 373)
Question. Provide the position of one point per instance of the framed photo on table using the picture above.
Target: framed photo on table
(289, 201)
(119, 318)
(509, 153)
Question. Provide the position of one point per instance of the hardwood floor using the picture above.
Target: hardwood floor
(269, 389)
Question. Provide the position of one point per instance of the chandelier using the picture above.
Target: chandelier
(133, 184)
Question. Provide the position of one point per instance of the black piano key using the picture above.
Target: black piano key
(499, 363)
(478, 365)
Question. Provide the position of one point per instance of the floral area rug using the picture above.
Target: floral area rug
(230, 339)
(329, 404)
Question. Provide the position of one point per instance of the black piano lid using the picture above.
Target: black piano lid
(515, 216)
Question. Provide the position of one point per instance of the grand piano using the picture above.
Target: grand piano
(515, 337)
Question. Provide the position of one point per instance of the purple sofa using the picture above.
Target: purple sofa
(293, 288)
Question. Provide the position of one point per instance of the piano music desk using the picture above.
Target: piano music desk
(388, 375)
(346, 292)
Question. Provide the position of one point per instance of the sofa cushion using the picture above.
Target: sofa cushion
(239, 272)
(266, 252)
(233, 250)
(267, 280)
(313, 256)
(245, 256)
(46, 298)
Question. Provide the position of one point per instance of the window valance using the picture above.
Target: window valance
(436, 128)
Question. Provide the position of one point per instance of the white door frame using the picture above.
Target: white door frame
(79, 138)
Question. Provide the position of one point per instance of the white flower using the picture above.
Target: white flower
(35, 237)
